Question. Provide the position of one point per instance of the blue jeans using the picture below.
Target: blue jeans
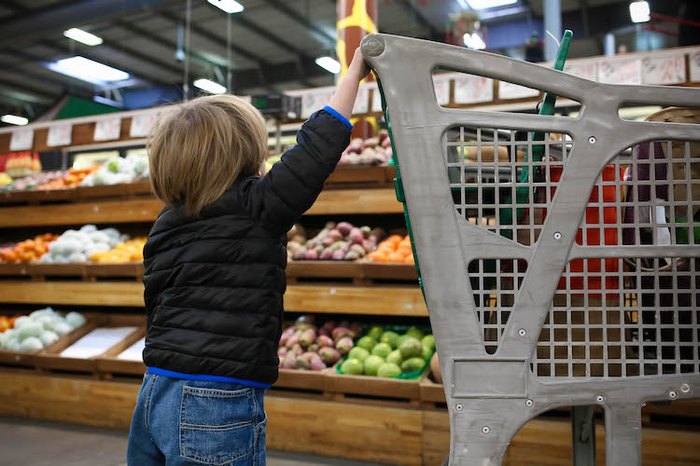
(185, 422)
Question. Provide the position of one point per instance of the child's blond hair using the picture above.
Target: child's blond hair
(198, 149)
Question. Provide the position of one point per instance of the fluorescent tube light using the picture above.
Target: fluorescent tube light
(640, 12)
(229, 6)
(83, 37)
(209, 86)
(329, 64)
(88, 70)
(484, 4)
(14, 120)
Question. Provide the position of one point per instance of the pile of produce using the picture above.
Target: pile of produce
(385, 353)
(341, 241)
(33, 181)
(395, 249)
(27, 251)
(304, 346)
(372, 151)
(38, 330)
(5, 179)
(128, 251)
(119, 170)
(21, 164)
(79, 245)
(73, 178)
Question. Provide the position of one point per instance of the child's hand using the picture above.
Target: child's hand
(358, 66)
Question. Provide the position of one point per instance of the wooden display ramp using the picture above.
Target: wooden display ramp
(348, 429)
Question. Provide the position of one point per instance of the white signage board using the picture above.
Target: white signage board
(508, 91)
(621, 71)
(470, 89)
(442, 89)
(142, 124)
(59, 135)
(108, 129)
(664, 70)
(583, 70)
(22, 139)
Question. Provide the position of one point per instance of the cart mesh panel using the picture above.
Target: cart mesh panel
(495, 283)
(631, 316)
(499, 175)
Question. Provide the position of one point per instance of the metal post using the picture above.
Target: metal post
(583, 431)
(552, 24)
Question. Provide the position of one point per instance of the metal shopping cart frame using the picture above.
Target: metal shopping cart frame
(491, 396)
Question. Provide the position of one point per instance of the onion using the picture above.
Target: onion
(31, 344)
(75, 319)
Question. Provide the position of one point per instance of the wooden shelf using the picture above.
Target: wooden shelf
(146, 209)
(366, 300)
(340, 299)
(78, 293)
(350, 270)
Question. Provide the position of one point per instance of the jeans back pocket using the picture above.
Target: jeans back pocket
(216, 426)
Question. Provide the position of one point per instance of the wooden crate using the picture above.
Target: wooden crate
(379, 387)
(51, 359)
(306, 380)
(108, 364)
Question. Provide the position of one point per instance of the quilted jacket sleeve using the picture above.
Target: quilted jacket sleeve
(292, 185)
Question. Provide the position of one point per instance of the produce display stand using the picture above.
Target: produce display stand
(504, 363)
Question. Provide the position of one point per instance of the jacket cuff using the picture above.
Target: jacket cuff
(338, 116)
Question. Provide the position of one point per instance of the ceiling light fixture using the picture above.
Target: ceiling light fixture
(640, 12)
(229, 6)
(209, 86)
(474, 41)
(14, 120)
(88, 70)
(484, 4)
(83, 37)
(329, 64)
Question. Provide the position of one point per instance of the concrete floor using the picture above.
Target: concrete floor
(35, 443)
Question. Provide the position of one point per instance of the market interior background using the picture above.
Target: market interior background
(273, 44)
(83, 82)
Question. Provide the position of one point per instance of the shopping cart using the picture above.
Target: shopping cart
(592, 296)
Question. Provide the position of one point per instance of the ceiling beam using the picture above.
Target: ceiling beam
(34, 24)
(433, 33)
(215, 39)
(40, 94)
(291, 13)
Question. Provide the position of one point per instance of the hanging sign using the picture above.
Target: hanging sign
(621, 72)
(508, 91)
(471, 89)
(362, 101)
(22, 139)
(142, 124)
(108, 129)
(442, 89)
(664, 70)
(583, 70)
(59, 135)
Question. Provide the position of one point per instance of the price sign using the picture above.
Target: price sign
(22, 139)
(442, 89)
(142, 124)
(315, 100)
(621, 72)
(695, 66)
(59, 135)
(362, 101)
(473, 89)
(664, 70)
(508, 91)
(583, 70)
(376, 99)
(108, 129)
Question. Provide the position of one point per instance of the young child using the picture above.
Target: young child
(215, 273)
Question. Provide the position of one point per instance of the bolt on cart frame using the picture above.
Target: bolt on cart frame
(591, 297)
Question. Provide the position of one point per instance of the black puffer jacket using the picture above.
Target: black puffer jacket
(214, 283)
